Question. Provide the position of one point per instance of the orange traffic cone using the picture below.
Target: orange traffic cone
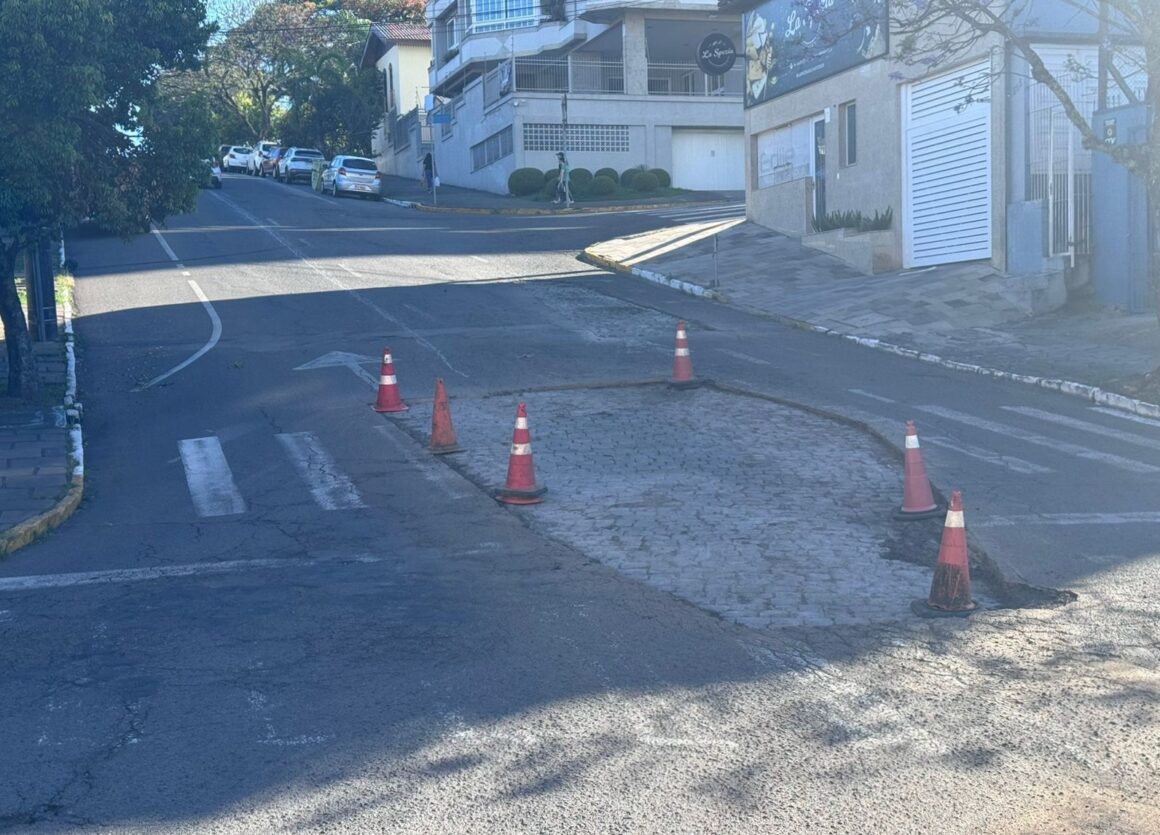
(950, 590)
(520, 487)
(389, 400)
(917, 500)
(682, 364)
(442, 432)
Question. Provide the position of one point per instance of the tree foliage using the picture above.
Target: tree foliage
(86, 131)
(290, 69)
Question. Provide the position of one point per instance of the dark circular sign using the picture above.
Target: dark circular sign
(716, 54)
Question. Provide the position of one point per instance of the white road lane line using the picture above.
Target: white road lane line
(1139, 518)
(164, 243)
(161, 572)
(272, 222)
(331, 489)
(326, 276)
(1040, 440)
(481, 260)
(1104, 410)
(872, 396)
(211, 484)
(740, 356)
(214, 337)
(1017, 465)
(1084, 426)
(410, 332)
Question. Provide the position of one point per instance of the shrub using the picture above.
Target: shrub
(550, 186)
(601, 185)
(610, 173)
(852, 219)
(525, 181)
(581, 180)
(550, 174)
(628, 175)
(645, 181)
(663, 178)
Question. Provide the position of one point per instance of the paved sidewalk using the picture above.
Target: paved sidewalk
(963, 313)
(452, 198)
(40, 483)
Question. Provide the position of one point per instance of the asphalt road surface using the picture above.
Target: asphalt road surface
(274, 612)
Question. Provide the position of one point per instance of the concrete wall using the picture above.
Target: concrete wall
(786, 207)
(874, 182)
(650, 120)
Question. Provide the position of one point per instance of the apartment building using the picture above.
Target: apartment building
(615, 83)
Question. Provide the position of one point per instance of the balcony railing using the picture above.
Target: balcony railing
(685, 78)
(576, 74)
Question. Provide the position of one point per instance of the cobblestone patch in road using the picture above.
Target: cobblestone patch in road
(769, 516)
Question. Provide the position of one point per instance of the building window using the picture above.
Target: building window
(785, 153)
(602, 138)
(494, 15)
(495, 147)
(848, 133)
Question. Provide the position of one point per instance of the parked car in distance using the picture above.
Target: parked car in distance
(222, 149)
(351, 175)
(295, 164)
(237, 158)
(269, 167)
(212, 177)
(261, 151)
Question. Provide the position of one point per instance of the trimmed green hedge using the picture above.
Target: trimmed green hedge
(645, 181)
(601, 185)
(628, 175)
(524, 182)
(610, 173)
(581, 180)
(663, 178)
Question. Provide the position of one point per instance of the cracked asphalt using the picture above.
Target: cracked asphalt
(379, 646)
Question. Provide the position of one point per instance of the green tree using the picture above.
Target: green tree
(86, 132)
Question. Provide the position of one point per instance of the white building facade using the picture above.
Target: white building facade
(400, 53)
(505, 75)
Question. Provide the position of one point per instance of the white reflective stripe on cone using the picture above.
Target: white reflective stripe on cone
(682, 335)
(387, 381)
(954, 519)
(682, 352)
(386, 358)
(521, 449)
(912, 442)
(521, 423)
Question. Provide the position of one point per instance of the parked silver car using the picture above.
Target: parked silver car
(296, 163)
(351, 175)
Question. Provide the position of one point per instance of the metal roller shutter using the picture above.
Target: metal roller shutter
(947, 168)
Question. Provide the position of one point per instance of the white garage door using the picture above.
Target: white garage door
(706, 160)
(947, 168)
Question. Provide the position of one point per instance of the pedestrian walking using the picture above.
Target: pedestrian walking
(563, 179)
(428, 172)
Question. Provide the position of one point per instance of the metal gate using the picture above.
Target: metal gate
(1061, 176)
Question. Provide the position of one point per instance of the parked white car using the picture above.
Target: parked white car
(351, 175)
(296, 164)
(237, 158)
(262, 151)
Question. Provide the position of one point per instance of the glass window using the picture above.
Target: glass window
(849, 134)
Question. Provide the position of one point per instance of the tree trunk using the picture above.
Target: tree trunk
(23, 381)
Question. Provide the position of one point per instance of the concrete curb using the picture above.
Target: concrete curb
(32, 529)
(1094, 394)
(589, 257)
(586, 210)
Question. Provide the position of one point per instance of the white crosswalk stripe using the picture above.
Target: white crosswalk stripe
(1012, 463)
(215, 493)
(211, 484)
(1084, 426)
(331, 489)
(697, 214)
(1040, 440)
